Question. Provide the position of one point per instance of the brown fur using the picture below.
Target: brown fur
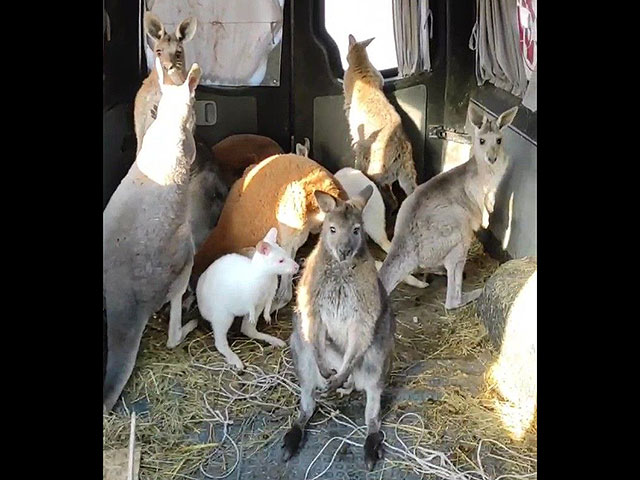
(382, 148)
(277, 192)
(237, 152)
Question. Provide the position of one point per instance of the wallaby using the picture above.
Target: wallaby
(147, 241)
(382, 148)
(169, 50)
(207, 194)
(235, 285)
(436, 223)
(373, 215)
(343, 326)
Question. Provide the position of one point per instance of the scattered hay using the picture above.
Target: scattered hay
(193, 396)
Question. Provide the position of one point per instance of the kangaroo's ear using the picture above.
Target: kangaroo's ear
(193, 77)
(507, 117)
(476, 116)
(301, 150)
(272, 235)
(153, 26)
(187, 29)
(326, 202)
(263, 248)
(361, 199)
(307, 145)
(365, 43)
(352, 40)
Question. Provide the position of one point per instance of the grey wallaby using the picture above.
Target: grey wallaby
(436, 223)
(344, 328)
(147, 241)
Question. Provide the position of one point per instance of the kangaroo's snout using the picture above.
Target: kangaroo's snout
(344, 253)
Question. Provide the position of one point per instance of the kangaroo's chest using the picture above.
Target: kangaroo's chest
(341, 306)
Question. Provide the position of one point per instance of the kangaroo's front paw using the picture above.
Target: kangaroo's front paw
(325, 371)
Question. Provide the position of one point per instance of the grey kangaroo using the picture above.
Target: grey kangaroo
(343, 325)
(147, 241)
(169, 48)
(436, 223)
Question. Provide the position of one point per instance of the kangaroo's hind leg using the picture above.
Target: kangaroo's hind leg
(454, 263)
(178, 332)
(125, 323)
(373, 443)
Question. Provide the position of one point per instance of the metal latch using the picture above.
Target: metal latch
(448, 134)
(206, 112)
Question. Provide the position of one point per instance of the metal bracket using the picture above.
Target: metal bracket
(450, 135)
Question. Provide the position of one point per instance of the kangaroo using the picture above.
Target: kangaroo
(382, 148)
(343, 325)
(170, 50)
(436, 223)
(235, 285)
(147, 241)
(373, 215)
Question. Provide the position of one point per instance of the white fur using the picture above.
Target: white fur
(373, 214)
(235, 285)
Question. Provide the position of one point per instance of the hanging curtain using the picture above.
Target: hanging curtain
(496, 41)
(412, 29)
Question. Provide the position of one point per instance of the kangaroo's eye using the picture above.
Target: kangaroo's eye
(158, 52)
(281, 260)
(356, 230)
(332, 229)
(499, 141)
(482, 141)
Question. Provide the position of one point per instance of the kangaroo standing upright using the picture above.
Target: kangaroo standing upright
(436, 223)
(169, 50)
(382, 148)
(343, 326)
(147, 241)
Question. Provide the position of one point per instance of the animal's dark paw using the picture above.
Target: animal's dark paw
(326, 372)
(291, 442)
(373, 449)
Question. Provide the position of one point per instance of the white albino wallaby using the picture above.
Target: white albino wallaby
(235, 286)
(436, 223)
(147, 241)
(169, 49)
(354, 181)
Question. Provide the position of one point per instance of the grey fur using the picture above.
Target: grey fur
(436, 223)
(207, 193)
(343, 326)
(147, 241)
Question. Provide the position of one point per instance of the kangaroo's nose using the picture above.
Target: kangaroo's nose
(344, 253)
(296, 267)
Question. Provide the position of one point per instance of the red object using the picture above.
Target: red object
(527, 25)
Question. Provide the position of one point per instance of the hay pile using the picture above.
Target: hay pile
(185, 397)
(508, 308)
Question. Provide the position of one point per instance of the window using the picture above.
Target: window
(237, 43)
(373, 18)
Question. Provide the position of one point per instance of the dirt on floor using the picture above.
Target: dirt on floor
(198, 419)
